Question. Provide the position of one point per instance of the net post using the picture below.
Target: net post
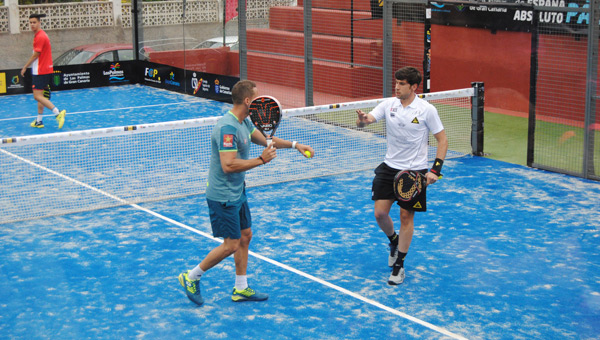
(427, 50)
(388, 72)
(308, 54)
(243, 48)
(591, 90)
(477, 113)
(533, 70)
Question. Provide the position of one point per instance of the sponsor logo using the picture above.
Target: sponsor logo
(228, 141)
(72, 78)
(221, 89)
(3, 82)
(115, 74)
(199, 84)
(151, 75)
(171, 80)
(56, 78)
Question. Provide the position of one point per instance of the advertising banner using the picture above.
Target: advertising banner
(200, 84)
(511, 16)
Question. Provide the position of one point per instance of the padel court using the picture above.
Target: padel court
(503, 252)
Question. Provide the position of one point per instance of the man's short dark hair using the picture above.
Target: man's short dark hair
(410, 74)
(37, 16)
(241, 90)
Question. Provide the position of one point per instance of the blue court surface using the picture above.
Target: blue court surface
(503, 252)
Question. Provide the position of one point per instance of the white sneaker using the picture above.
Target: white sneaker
(397, 276)
(393, 255)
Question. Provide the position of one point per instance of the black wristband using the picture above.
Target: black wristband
(437, 167)
(262, 159)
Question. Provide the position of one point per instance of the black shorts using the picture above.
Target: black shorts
(39, 81)
(383, 189)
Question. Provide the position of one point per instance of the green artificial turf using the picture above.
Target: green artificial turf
(505, 138)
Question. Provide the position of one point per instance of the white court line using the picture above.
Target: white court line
(258, 256)
(105, 110)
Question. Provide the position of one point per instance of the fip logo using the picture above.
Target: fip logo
(152, 73)
(15, 80)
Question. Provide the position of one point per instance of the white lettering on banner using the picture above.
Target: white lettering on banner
(523, 16)
(547, 3)
(76, 78)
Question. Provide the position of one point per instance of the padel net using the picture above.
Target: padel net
(93, 169)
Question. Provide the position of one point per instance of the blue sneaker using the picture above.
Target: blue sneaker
(248, 294)
(191, 288)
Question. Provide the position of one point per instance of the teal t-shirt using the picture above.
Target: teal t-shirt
(229, 135)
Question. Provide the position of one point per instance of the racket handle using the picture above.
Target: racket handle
(269, 141)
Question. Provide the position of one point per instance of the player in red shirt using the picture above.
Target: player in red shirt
(41, 71)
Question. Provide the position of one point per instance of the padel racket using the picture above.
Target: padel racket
(265, 113)
(408, 184)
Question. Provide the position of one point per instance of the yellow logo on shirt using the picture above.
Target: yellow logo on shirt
(415, 121)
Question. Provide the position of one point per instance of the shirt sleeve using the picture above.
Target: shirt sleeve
(38, 43)
(434, 123)
(379, 111)
(228, 139)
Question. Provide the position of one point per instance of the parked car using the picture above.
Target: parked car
(231, 41)
(95, 53)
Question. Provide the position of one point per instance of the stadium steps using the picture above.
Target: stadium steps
(326, 21)
(276, 54)
(362, 5)
(328, 47)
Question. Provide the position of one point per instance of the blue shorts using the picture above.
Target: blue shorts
(228, 219)
(39, 81)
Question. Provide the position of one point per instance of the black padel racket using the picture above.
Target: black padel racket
(265, 113)
(408, 184)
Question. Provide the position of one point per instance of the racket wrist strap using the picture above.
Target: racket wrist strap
(294, 144)
(262, 159)
(436, 169)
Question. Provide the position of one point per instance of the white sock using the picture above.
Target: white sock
(39, 117)
(241, 282)
(55, 110)
(196, 273)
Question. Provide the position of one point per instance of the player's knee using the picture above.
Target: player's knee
(230, 246)
(381, 215)
(407, 217)
(246, 236)
(38, 95)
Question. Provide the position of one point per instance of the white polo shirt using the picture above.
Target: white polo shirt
(407, 131)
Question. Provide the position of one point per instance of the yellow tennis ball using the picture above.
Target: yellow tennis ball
(307, 153)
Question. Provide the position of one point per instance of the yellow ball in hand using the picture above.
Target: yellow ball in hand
(308, 154)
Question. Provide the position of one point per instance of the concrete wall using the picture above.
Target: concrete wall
(15, 49)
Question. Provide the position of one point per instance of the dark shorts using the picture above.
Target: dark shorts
(39, 81)
(383, 189)
(230, 218)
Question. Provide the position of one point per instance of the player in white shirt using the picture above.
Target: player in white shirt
(409, 119)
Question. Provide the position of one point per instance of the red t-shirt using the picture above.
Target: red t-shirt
(43, 64)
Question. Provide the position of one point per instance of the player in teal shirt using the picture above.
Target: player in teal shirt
(231, 136)
(226, 192)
